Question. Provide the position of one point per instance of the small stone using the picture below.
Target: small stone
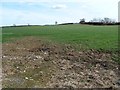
(41, 72)
(82, 73)
(4, 56)
(80, 52)
(31, 79)
(46, 58)
(62, 68)
(96, 71)
(112, 73)
(26, 78)
(45, 53)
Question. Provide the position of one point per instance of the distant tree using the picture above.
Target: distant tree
(55, 22)
(82, 20)
(97, 20)
(109, 20)
(104, 20)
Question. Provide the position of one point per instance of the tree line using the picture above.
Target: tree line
(99, 21)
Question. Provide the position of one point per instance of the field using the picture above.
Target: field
(95, 37)
(58, 56)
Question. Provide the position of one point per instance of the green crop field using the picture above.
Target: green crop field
(87, 36)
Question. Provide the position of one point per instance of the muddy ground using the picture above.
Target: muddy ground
(32, 63)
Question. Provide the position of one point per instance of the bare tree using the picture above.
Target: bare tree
(82, 20)
(104, 20)
(109, 20)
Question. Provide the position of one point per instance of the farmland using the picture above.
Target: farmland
(96, 37)
(60, 56)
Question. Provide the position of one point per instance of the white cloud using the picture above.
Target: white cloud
(60, 6)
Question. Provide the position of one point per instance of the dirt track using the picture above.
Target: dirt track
(30, 62)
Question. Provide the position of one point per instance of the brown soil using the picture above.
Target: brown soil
(32, 63)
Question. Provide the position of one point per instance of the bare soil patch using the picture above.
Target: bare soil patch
(32, 63)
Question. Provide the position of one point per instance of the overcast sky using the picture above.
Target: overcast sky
(48, 11)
